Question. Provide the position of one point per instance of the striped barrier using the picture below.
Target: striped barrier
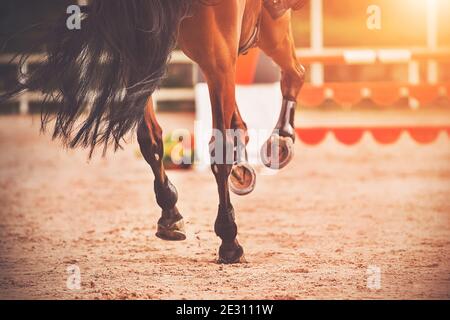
(381, 134)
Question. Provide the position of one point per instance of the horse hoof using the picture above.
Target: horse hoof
(277, 152)
(242, 179)
(231, 256)
(171, 232)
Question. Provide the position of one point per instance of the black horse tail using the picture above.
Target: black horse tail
(108, 68)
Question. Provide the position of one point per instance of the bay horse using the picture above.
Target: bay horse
(116, 61)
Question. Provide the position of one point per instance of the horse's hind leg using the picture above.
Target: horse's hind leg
(170, 225)
(277, 42)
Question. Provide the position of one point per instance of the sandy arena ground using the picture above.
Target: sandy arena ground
(311, 231)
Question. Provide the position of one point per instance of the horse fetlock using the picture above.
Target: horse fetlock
(171, 228)
(226, 231)
(166, 195)
(170, 216)
(225, 227)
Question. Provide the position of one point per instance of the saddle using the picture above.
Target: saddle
(277, 8)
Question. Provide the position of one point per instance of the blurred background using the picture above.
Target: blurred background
(337, 25)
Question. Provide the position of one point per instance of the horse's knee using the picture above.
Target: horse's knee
(294, 78)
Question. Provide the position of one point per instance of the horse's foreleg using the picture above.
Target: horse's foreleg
(170, 225)
(211, 38)
(277, 42)
(222, 92)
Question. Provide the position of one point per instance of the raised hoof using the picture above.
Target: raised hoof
(277, 152)
(171, 232)
(242, 179)
(231, 256)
